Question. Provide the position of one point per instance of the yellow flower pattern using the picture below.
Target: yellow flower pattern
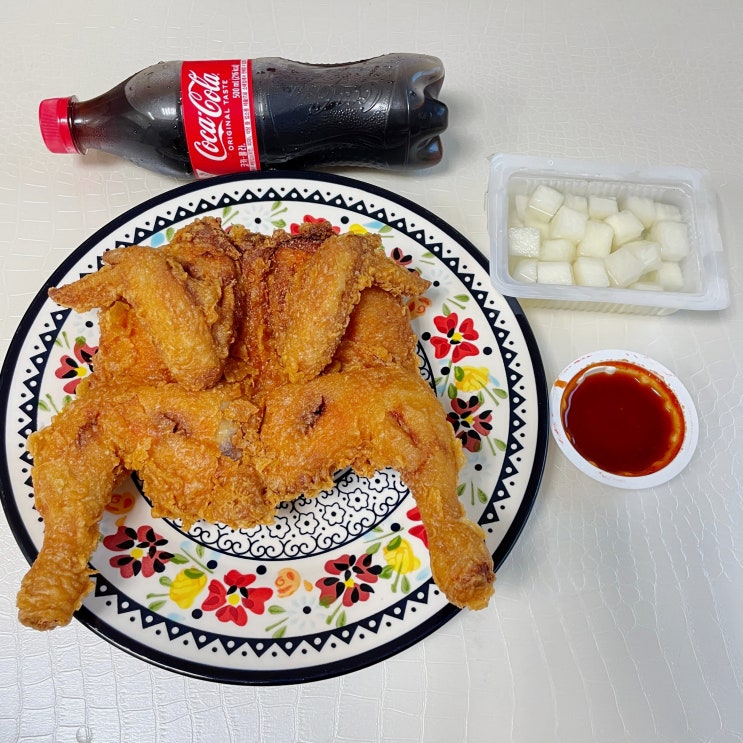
(186, 586)
(401, 557)
(471, 378)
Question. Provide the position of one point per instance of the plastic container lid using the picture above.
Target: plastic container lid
(55, 125)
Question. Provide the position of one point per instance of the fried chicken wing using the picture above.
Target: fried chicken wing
(343, 266)
(300, 295)
(378, 332)
(228, 377)
(182, 300)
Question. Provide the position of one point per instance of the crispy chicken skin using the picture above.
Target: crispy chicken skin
(298, 295)
(228, 376)
(312, 429)
(178, 302)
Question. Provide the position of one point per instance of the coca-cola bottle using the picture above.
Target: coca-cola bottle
(197, 119)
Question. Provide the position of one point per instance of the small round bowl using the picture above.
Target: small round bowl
(642, 368)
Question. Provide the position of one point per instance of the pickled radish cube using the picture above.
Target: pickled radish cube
(513, 219)
(569, 224)
(648, 252)
(520, 202)
(601, 207)
(673, 238)
(624, 267)
(590, 271)
(538, 224)
(646, 286)
(574, 201)
(597, 240)
(524, 241)
(626, 226)
(670, 276)
(557, 249)
(525, 270)
(643, 207)
(544, 202)
(555, 272)
(667, 213)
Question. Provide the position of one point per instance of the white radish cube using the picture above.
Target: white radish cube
(524, 242)
(520, 202)
(579, 203)
(667, 213)
(557, 249)
(646, 286)
(643, 207)
(626, 226)
(538, 224)
(590, 271)
(569, 224)
(673, 238)
(624, 267)
(670, 276)
(555, 272)
(513, 219)
(601, 207)
(525, 270)
(597, 239)
(648, 252)
(544, 202)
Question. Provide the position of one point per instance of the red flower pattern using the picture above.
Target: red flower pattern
(469, 424)
(233, 599)
(77, 366)
(419, 530)
(401, 258)
(349, 577)
(294, 226)
(140, 550)
(456, 338)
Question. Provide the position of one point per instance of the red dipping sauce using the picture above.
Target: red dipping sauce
(622, 418)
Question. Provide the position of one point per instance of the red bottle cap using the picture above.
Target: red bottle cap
(55, 125)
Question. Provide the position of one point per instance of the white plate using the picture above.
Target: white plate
(180, 616)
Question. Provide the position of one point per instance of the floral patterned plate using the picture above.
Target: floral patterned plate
(338, 582)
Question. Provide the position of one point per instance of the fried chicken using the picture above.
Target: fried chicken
(313, 429)
(228, 377)
(187, 448)
(173, 308)
(299, 294)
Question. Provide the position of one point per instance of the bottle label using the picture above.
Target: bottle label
(217, 101)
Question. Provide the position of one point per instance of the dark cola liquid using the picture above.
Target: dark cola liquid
(382, 112)
(138, 120)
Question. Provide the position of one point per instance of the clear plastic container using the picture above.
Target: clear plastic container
(514, 179)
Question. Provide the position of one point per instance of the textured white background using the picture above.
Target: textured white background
(618, 614)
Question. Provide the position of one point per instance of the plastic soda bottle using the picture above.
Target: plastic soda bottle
(198, 119)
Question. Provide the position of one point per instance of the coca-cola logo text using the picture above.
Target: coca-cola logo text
(205, 95)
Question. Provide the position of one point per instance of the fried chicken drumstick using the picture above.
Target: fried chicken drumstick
(228, 377)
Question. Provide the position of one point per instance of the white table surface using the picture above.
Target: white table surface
(618, 615)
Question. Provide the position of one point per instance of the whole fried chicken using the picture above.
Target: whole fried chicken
(228, 377)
